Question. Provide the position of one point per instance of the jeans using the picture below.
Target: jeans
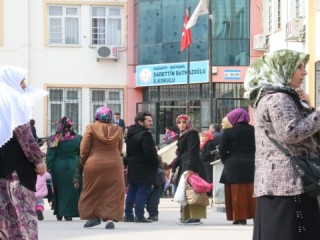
(153, 201)
(137, 197)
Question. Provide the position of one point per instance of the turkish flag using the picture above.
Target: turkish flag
(186, 38)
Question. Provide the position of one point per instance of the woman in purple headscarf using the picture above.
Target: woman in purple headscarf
(102, 197)
(237, 149)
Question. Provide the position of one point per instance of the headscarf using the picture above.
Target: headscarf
(104, 114)
(238, 115)
(16, 104)
(274, 69)
(65, 132)
(209, 136)
(188, 122)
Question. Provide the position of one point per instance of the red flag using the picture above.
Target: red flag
(186, 38)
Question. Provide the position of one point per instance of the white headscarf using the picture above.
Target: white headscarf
(15, 103)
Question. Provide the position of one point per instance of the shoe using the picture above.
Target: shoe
(128, 219)
(59, 218)
(154, 218)
(142, 220)
(39, 215)
(191, 222)
(240, 222)
(67, 218)
(109, 225)
(243, 222)
(92, 223)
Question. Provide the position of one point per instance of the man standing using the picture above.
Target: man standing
(118, 121)
(216, 134)
(142, 162)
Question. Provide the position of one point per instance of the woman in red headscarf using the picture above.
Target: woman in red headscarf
(206, 147)
(188, 160)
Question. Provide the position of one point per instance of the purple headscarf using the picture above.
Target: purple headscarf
(238, 115)
(104, 114)
(65, 132)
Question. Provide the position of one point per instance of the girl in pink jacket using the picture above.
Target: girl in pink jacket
(41, 192)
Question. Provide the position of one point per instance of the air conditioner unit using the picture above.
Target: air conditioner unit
(260, 42)
(107, 52)
(295, 30)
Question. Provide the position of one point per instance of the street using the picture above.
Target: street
(215, 227)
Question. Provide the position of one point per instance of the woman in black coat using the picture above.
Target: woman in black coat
(188, 160)
(206, 147)
(237, 149)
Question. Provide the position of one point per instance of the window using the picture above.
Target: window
(113, 98)
(64, 102)
(107, 25)
(272, 16)
(64, 24)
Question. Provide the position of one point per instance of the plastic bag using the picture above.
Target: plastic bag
(180, 194)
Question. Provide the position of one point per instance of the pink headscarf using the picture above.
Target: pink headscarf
(209, 137)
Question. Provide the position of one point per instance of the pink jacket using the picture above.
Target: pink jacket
(41, 185)
(172, 134)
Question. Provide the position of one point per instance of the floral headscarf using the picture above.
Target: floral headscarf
(209, 136)
(104, 114)
(238, 115)
(186, 118)
(188, 122)
(65, 131)
(274, 69)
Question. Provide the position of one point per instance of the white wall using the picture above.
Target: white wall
(24, 46)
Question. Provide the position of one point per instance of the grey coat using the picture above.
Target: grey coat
(278, 115)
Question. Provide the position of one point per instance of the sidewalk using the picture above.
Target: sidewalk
(215, 227)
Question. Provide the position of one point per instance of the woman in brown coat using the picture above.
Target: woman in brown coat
(103, 193)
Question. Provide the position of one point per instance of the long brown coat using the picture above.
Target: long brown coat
(103, 179)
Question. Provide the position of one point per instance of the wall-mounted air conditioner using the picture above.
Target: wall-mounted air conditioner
(295, 30)
(107, 52)
(260, 42)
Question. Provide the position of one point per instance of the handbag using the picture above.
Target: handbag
(195, 198)
(199, 184)
(307, 168)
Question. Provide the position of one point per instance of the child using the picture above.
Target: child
(41, 192)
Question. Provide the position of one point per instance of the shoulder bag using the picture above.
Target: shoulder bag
(307, 168)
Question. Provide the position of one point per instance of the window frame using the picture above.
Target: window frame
(106, 100)
(106, 17)
(63, 18)
(63, 101)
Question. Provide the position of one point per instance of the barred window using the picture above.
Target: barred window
(64, 102)
(110, 97)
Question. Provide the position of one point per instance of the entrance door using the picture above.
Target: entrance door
(153, 108)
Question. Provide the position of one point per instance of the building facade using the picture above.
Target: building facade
(92, 53)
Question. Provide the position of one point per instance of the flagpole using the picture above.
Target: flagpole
(211, 93)
(188, 75)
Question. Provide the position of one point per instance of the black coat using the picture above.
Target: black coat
(142, 156)
(188, 155)
(237, 149)
(206, 157)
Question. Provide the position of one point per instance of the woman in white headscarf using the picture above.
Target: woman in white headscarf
(20, 156)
